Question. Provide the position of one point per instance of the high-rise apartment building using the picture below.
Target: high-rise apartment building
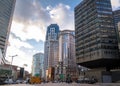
(51, 46)
(38, 65)
(96, 40)
(6, 14)
(67, 53)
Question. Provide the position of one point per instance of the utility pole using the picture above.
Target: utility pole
(11, 63)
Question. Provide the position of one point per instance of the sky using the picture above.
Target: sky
(30, 21)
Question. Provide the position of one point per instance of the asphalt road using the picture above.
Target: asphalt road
(65, 84)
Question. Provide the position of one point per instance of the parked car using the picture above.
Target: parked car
(25, 82)
(19, 81)
(8, 81)
(86, 80)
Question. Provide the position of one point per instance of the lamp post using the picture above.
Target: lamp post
(79, 70)
(11, 63)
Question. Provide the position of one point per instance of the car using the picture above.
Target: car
(19, 81)
(24, 82)
(55, 81)
(8, 81)
(86, 80)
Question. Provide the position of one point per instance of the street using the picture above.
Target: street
(66, 84)
(52, 84)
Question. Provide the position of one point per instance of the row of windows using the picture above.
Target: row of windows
(83, 5)
(90, 25)
(84, 36)
(87, 13)
(89, 16)
(106, 39)
(87, 38)
(103, 2)
(105, 36)
(99, 22)
(104, 7)
(96, 53)
(105, 12)
(105, 15)
(88, 48)
(80, 32)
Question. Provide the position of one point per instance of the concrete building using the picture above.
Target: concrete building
(7, 70)
(38, 65)
(6, 14)
(67, 60)
(51, 47)
(96, 39)
(119, 35)
(116, 14)
(1, 56)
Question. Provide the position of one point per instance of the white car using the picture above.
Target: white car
(8, 81)
(19, 81)
(24, 82)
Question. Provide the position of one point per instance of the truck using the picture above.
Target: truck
(35, 80)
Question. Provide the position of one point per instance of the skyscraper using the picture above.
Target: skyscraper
(116, 14)
(1, 57)
(6, 14)
(51, 46)
(96, 41)
(67, 53)
(119, 36)
(38, 65)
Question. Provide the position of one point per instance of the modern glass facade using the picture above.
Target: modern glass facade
(96, 40)
(38, 65)
(6, 14)
(52, 32)
(51, 46)
(67, 53)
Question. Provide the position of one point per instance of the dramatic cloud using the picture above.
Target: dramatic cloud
(18, 43)
(27, 31)
(31, 18)
(115, 4)
(62, 15)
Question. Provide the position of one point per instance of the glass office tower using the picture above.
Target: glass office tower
(51, 47)
(6, 14)
(96, 40)
(38, 65)
(67, 53)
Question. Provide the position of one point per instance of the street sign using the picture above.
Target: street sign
(61, 76)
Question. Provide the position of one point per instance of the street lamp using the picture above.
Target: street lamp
(12, 58)
(11, 62)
